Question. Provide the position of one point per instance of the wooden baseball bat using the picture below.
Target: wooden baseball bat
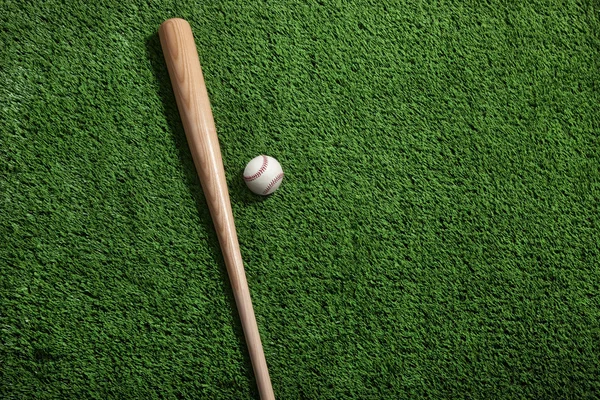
(180, 53)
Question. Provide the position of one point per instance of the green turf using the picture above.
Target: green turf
(436, 236)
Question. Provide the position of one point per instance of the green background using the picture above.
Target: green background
(436, 235)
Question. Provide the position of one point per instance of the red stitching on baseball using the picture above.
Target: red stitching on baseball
(273, 182)
(262, 169)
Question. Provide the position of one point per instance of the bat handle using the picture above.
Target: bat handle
(184, 68)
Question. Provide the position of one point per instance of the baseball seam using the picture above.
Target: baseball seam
(260, 171)
(273, 182)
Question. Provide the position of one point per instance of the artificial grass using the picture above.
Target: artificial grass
(436, 235)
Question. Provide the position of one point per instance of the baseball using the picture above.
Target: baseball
(263, 175)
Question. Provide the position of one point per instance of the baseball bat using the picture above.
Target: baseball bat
(182, 60)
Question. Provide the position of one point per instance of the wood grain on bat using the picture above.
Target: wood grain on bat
(193, 103)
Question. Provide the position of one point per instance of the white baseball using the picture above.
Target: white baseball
(263, 175)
